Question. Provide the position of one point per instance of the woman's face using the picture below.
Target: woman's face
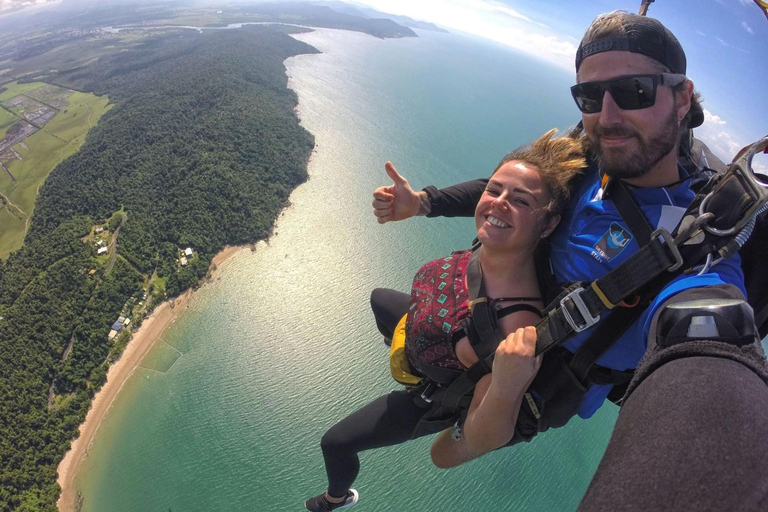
(511, 213)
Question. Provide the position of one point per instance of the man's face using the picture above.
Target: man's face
(629, 143)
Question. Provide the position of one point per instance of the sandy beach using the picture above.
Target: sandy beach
(141, 343)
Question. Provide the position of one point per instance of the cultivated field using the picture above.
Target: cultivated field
(40, 126)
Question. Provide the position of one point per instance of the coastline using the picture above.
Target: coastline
(140, 344)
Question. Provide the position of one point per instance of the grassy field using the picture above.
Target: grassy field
(13, 89)
(12, 228)
(60, 138)
(6, 120)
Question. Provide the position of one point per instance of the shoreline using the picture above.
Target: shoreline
(140, 344)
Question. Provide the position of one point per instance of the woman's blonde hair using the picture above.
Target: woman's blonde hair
(558, 160)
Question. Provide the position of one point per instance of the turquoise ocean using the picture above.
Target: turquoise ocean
(226, 413)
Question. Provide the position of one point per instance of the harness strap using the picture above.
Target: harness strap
(514, 299)
(581, 307)
(629, 211)
(514, 308)
(474, 339)
(462, 386)
(483, 322)
(612, 328)
(603, 338)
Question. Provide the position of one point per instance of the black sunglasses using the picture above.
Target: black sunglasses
(629, 92)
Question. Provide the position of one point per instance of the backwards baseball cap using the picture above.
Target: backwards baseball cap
(643, 35)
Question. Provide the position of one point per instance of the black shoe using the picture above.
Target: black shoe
(320, 504)
(388, 341)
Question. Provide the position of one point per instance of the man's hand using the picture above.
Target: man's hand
(397, 201)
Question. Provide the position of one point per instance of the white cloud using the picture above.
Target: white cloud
(21, 4)
(489, 19)
(728, 45)
(496, 7)
(747, 28)
(714, 132)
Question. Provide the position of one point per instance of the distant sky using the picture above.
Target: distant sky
(726, 43)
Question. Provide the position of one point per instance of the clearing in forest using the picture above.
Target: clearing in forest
(40, 126)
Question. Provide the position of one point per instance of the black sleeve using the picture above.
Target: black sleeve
(456, 201)
(691, 435)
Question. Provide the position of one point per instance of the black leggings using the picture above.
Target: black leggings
(388, 307)
(387, 421)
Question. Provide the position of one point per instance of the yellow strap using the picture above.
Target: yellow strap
(607, 303)
(398, 361)
(478, 300)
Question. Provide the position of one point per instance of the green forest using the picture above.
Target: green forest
(202, 150)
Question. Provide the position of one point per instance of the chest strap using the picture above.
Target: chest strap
(716, 225)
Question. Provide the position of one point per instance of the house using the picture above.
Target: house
(99, 229)
(112, 334)
(127, 322)
(102, 250)
(117, 326)
(120, 319)
(188, 252)
(100, 243)
(183, 261)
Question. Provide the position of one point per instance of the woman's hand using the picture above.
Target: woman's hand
(397, 201)
(515, 364)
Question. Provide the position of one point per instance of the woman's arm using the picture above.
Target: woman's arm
(399, 201)
(492, 415)
(455, 201)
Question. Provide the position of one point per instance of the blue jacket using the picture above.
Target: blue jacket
(592, 239)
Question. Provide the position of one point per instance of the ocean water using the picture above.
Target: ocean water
(227, 412)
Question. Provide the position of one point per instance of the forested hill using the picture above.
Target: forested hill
(202, 149)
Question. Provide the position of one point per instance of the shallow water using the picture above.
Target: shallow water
(230, 408)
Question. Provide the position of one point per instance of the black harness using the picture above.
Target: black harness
(717, 224)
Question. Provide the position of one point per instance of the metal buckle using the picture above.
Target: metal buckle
(671, 245)
(741, 167)
(427, 393)
(575, 297)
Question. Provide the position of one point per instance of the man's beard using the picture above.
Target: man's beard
(624, 163)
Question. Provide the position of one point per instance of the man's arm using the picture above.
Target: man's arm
(691, 433)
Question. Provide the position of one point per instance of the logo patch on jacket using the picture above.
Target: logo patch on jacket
(612, 243)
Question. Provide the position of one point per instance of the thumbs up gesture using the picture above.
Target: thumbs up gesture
(397, 201)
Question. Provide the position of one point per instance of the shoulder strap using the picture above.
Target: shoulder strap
(482, 329)
(611, 328)
(629, 211)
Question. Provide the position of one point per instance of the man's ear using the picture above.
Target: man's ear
(550, 226)
(683, 100)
